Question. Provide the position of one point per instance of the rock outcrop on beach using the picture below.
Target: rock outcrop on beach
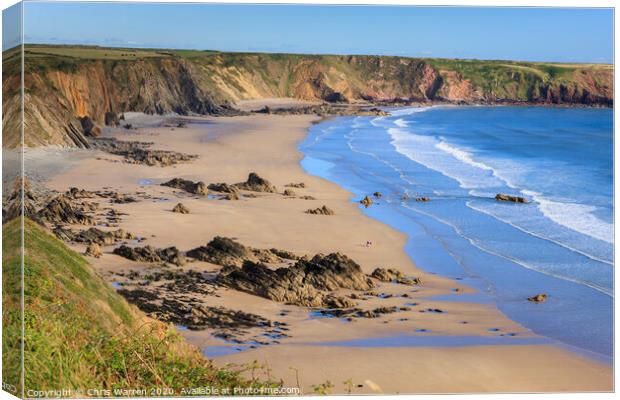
(307, 283)
(324, 210)
(227, 252)
(59, 210)
(229, 192)
(136, 152)
(22, 197)
(150, 254)
(64, 88)
(255, 183)
(289, 193)
(394, 275)
(507, 197)
(181, 209)
(198, 188)
(93, 236)
(93, 250)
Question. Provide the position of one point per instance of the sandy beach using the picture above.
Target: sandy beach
(228, 149)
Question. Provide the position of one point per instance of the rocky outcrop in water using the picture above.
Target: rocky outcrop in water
(507, 197)
(152, 255)
(366, 202)
(255, 183)
(539, 298)
(198, 188)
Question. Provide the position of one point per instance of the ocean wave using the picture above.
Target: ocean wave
(538, 235)
(482, 246)
(462, 155)
(578, 217)
(438, 155)
(401, 122)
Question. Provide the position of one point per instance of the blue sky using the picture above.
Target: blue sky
(535, 34)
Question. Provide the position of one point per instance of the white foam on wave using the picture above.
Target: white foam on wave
(536, 234)
(460, 164)
(444, 158)
(401, 122)
(578, 217)
(481, 246)
(462, 155)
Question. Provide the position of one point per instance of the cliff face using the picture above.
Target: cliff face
(63, 84)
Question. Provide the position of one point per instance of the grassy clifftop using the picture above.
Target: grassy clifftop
(80, 334)
(66, 82)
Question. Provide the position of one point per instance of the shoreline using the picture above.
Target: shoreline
(270, 221)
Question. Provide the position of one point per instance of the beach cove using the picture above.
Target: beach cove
(489, 351)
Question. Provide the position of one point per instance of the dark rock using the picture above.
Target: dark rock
(136, 152)
(223, 251)
(386, 275)
(285, 254)
(422, 199)
(89, 128)
(255, 183)
(289, 192)
(150, 254)
(93, 250)
(223, 188)
(22, 196)
(366, 201)
(539, 298)
(507, 197)
(180, 208)
(102, 238)
(193, 315)
(111, 119)
(60, 210)
(120, 198)
(198, 188)
(377, 195)
(299, 185)
(394, 275)
(320, 211)
(307, 283)
(75, 193)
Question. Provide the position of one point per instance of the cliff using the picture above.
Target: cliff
(63, 83)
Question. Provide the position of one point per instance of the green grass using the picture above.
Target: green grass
(80, 334)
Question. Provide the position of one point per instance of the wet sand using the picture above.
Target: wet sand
(228, 149)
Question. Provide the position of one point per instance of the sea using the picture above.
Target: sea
(560, 243)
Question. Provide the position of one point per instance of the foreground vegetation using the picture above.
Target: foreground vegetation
(80, 335)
